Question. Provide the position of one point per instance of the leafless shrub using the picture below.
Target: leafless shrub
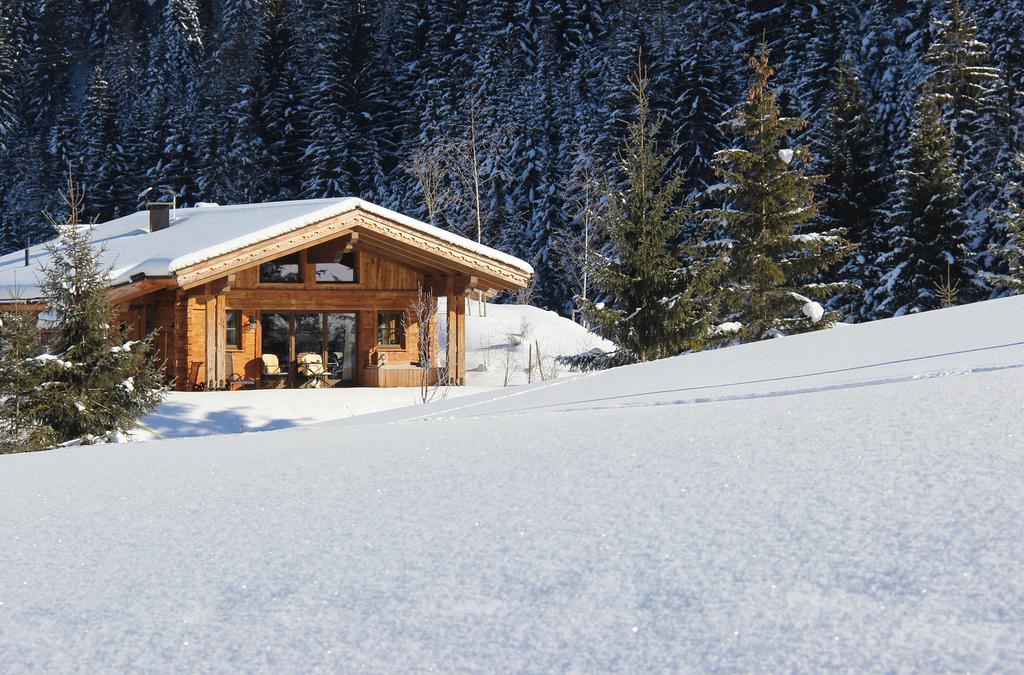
(434, 374)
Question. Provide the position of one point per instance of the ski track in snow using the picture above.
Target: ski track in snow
(601, 403)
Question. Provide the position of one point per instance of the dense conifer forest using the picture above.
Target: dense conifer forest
(912, 111)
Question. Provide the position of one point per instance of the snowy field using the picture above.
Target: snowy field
(496, 342)
(851, 500)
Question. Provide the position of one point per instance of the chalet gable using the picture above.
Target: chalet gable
(431, 253)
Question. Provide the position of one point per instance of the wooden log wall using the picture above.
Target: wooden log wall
(193, 323)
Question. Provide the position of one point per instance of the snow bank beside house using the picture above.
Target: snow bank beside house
(505, 335)
(849, 500)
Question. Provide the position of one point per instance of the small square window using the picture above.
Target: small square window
(286, 270)
(233, 331)
(390, 329)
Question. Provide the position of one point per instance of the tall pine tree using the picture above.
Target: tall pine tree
(659, 294)
(856, 187)
(776, 259)
(927, 228)
(1009, 253)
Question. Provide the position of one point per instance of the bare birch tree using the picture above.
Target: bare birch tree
(429, 166)
(433, 371)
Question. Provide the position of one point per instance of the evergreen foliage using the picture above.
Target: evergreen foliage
(1010, 252)
(21, 393)
(97, 382)
(927, 230)
(970, 93)
(660, 294)
(238, 100)
(769, 211)
(856, 187)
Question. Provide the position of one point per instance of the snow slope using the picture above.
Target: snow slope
(848, 500)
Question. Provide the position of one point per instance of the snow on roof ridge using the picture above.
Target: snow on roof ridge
(335, 207)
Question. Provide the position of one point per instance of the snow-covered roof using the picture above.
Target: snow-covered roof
(202, 233)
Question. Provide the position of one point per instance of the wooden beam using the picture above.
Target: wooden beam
(428, 266)
(463, 284)
(122, 294)
(396, 251)
(333, 250)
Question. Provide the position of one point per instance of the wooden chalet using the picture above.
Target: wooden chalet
(287, 294)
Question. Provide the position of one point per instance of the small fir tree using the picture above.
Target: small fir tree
(21, 390)
(927, 229)
(97, 382)
(659, 284)
(776, 258)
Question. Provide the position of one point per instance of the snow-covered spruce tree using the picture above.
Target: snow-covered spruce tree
(8, 59)
(174, 71)
(1010, 252)
(927, 226)
(660, 295)
(856, 188)
(20, 380)
(776, 259)
(963, 84)
(970, 94)
(100, 147)
(97, 382)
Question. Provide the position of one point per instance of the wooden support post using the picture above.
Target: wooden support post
(451, 322)
(180, 358)
(460, 339)
(216, 342)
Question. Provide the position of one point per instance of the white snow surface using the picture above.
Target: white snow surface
(846, 500)
(200, 233)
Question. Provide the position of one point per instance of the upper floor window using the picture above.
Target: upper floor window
(342, 271)
(286, 270)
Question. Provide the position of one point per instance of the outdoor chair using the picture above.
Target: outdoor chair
(236, 374)
(272, 372)
(311, 367)
(336, 366)
(194, 382)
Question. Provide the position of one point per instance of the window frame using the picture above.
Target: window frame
(400, 330)
(237, 314)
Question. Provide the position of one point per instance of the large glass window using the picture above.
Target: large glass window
(308, 349)
(341, 346)
(342, 271)
(286, 270)
(390, 329)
